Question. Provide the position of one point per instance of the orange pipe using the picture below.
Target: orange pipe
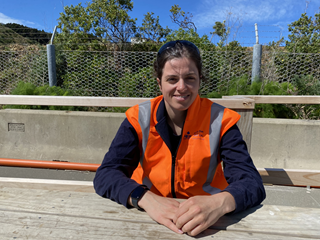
(49, 164)
(61, 165)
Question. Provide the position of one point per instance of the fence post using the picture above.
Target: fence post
(256, 59)
(51, 55)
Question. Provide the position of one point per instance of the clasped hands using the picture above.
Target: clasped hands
(191, 216)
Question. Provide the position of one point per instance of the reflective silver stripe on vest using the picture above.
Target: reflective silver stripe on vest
(144, 122)
(146, 181)
(214, 136)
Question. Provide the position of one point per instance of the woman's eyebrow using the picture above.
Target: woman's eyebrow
(170, 76)
(187, 74)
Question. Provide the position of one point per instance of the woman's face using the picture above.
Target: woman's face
(179, 84)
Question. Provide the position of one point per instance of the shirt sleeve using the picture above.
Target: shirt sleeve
(113, 177)
(245, 183)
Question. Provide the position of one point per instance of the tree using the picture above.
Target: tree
(183, 19)
(221, 30)
(151, 28)
(192, 36)
(304, 35)
(101, 20)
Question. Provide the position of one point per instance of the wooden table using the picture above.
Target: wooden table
(51, 209)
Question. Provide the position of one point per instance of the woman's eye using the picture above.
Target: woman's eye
(171, 79)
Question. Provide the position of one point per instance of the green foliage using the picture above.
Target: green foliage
(32, 34)
(26, 88)
(92, 71)
(305, 35)
(224, 65)
(241, 86)
(141, 84)
(221, 30)
(301, 85)
(31, 64)
(101, 21)
(148, 46)
(8, 36)
(192, 36)
(183, 19)
(305, 85)
(13, 33)
(290, 64)
(151, 28)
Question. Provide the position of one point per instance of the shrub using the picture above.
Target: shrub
(241, 86)
(140, 84)
(26, 88)
(305, 85)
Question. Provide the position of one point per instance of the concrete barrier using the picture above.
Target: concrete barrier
(86, 137)
(57, 135)
(286, 143)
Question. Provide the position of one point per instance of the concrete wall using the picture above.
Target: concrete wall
(286, 143)
(57, 135)
(86, 137)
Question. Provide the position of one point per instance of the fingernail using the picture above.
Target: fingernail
(180, 231)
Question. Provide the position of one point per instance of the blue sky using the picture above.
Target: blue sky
(272, 16)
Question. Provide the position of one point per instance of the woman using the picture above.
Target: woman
(173, 146)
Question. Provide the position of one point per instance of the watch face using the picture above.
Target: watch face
(137, 194)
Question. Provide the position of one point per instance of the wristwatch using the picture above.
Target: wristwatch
(137, 194)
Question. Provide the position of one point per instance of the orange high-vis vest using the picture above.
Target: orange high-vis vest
(197, 168)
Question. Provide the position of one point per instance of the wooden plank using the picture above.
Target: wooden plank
(103, 101)
(71, 211)
(47, 184)
(24, 225)
(296, 177)
(244, 103)
(272, 99)
(275, 220)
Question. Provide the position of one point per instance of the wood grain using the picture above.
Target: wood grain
(295, 177)
(49, 213)
(272, 99)
(104, 101)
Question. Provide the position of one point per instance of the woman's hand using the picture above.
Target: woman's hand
(160, 209)
(200, 212)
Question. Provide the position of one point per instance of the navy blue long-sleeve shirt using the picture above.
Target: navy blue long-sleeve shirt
(113, 177)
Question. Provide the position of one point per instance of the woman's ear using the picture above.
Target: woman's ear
(159, 84)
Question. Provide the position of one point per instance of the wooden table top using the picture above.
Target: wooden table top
(54, 209)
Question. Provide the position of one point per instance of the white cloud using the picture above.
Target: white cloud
(5, 19)
(248, 11)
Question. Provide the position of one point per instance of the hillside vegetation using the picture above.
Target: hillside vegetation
(12, 33)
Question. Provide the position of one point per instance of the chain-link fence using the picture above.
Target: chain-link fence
(29, 66)
(285, 67)
(130, 74)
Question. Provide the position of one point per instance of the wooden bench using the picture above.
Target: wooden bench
(56, 209)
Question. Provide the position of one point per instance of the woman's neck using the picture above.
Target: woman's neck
(176, 120)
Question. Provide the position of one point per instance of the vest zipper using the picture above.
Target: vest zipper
(173, 175)
(174, 168)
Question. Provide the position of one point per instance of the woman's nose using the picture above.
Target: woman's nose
(181, 85)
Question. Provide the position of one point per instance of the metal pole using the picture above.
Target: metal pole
(256, 31)
(51, 55)
(256, 59)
